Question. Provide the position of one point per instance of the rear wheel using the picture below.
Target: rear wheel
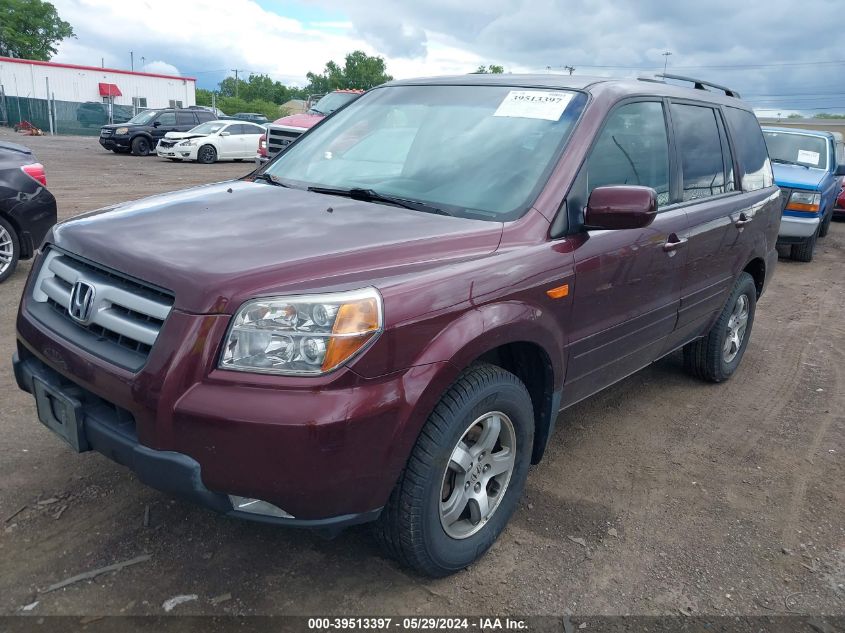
(804, 251)
(716, 356)
(9, 249)
(140, 146)
(465, 475)
(206, 154)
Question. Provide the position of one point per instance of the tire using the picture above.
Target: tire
(825, 225)
(709, 358)
(410, 528)
(10, 249)
(206, 155)
(140, 146)
(804, 251)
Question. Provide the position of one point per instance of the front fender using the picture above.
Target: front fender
(476, 332)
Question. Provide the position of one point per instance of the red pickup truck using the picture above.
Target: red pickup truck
(282, 132)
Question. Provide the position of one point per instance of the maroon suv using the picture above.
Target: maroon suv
(384, 323)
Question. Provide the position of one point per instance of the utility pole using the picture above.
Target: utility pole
(236, 71)
(571, 69)
(132, 60)
(665, 60)
(143, 61)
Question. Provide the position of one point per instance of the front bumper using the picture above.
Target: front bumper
(115, 142)
(182, 153)
(110, 431)
(792, 227)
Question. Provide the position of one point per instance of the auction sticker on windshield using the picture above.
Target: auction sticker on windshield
(806, 156)
(534, 104)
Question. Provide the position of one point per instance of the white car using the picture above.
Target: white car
(212, 141)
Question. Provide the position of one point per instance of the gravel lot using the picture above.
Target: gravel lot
(683, 496)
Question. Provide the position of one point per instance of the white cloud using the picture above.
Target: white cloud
(161, 68)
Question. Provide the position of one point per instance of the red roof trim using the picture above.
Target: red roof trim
(36, 62)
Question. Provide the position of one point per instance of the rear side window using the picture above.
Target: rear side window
(632, 149)
(756, 170)
(204, 115)
(185, 118)
(703, 163)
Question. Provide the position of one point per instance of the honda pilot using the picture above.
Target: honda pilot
(384, 323)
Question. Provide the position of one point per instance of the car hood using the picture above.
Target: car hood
(300, 120)
(797, 177)
(183, 135)
(218, 245)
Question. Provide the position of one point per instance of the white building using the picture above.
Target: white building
(68, 82)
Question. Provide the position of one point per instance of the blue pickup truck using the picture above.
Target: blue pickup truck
(807, 165)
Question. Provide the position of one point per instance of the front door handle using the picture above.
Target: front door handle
(673, 243)
(741, 221)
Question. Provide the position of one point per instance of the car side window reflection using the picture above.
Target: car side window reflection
(632, 149)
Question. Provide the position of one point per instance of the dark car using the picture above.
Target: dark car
(252, 117)
(384, 323)
(27, 209)
(142, 132)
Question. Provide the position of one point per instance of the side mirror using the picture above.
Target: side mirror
(840, 170)
(620, 207)
(225, 133)
(156, 123)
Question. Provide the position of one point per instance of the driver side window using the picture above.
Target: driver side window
(632, 149)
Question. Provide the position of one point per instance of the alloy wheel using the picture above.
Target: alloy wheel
(7, 253)
(477, 475)
(737, 324)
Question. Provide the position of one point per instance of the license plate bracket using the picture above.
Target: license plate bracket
(61, 414)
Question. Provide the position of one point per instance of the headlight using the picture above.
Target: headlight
(804, 201)
(121, 130)
(302, 335)
(187, 143)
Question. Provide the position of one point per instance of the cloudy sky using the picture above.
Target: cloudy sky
(782, 56)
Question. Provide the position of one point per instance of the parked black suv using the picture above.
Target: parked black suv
(140, 134)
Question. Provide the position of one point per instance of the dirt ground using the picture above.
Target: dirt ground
(684, 496)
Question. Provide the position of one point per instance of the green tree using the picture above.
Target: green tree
(203, 97)
(828, 115)
(492, 69)
(795, 115)
(31, 29)
(359, 71)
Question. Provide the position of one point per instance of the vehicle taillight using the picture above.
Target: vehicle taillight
(36, 172)
(262, 145)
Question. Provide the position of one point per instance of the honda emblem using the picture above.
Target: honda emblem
(81, 306)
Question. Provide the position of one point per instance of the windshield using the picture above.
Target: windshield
(475, 151)
(142, 118)
(207, 128)
(797, 149)
(333, 101)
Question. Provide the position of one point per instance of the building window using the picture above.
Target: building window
(139, 102)
(175, 104)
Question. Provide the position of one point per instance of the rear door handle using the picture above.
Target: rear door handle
(741, 221)
(674, 243)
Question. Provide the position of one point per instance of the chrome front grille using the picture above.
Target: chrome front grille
(122, 320)
(279, 138)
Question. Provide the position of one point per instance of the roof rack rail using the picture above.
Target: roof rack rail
(699, 84)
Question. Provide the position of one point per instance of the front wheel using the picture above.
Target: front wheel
(206, 154)
(465, 475)
(140, 146)
(9, 250)
(716, 356)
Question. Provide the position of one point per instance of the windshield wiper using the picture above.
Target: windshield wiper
(783, 161)
(265, 177)
(370, 195)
